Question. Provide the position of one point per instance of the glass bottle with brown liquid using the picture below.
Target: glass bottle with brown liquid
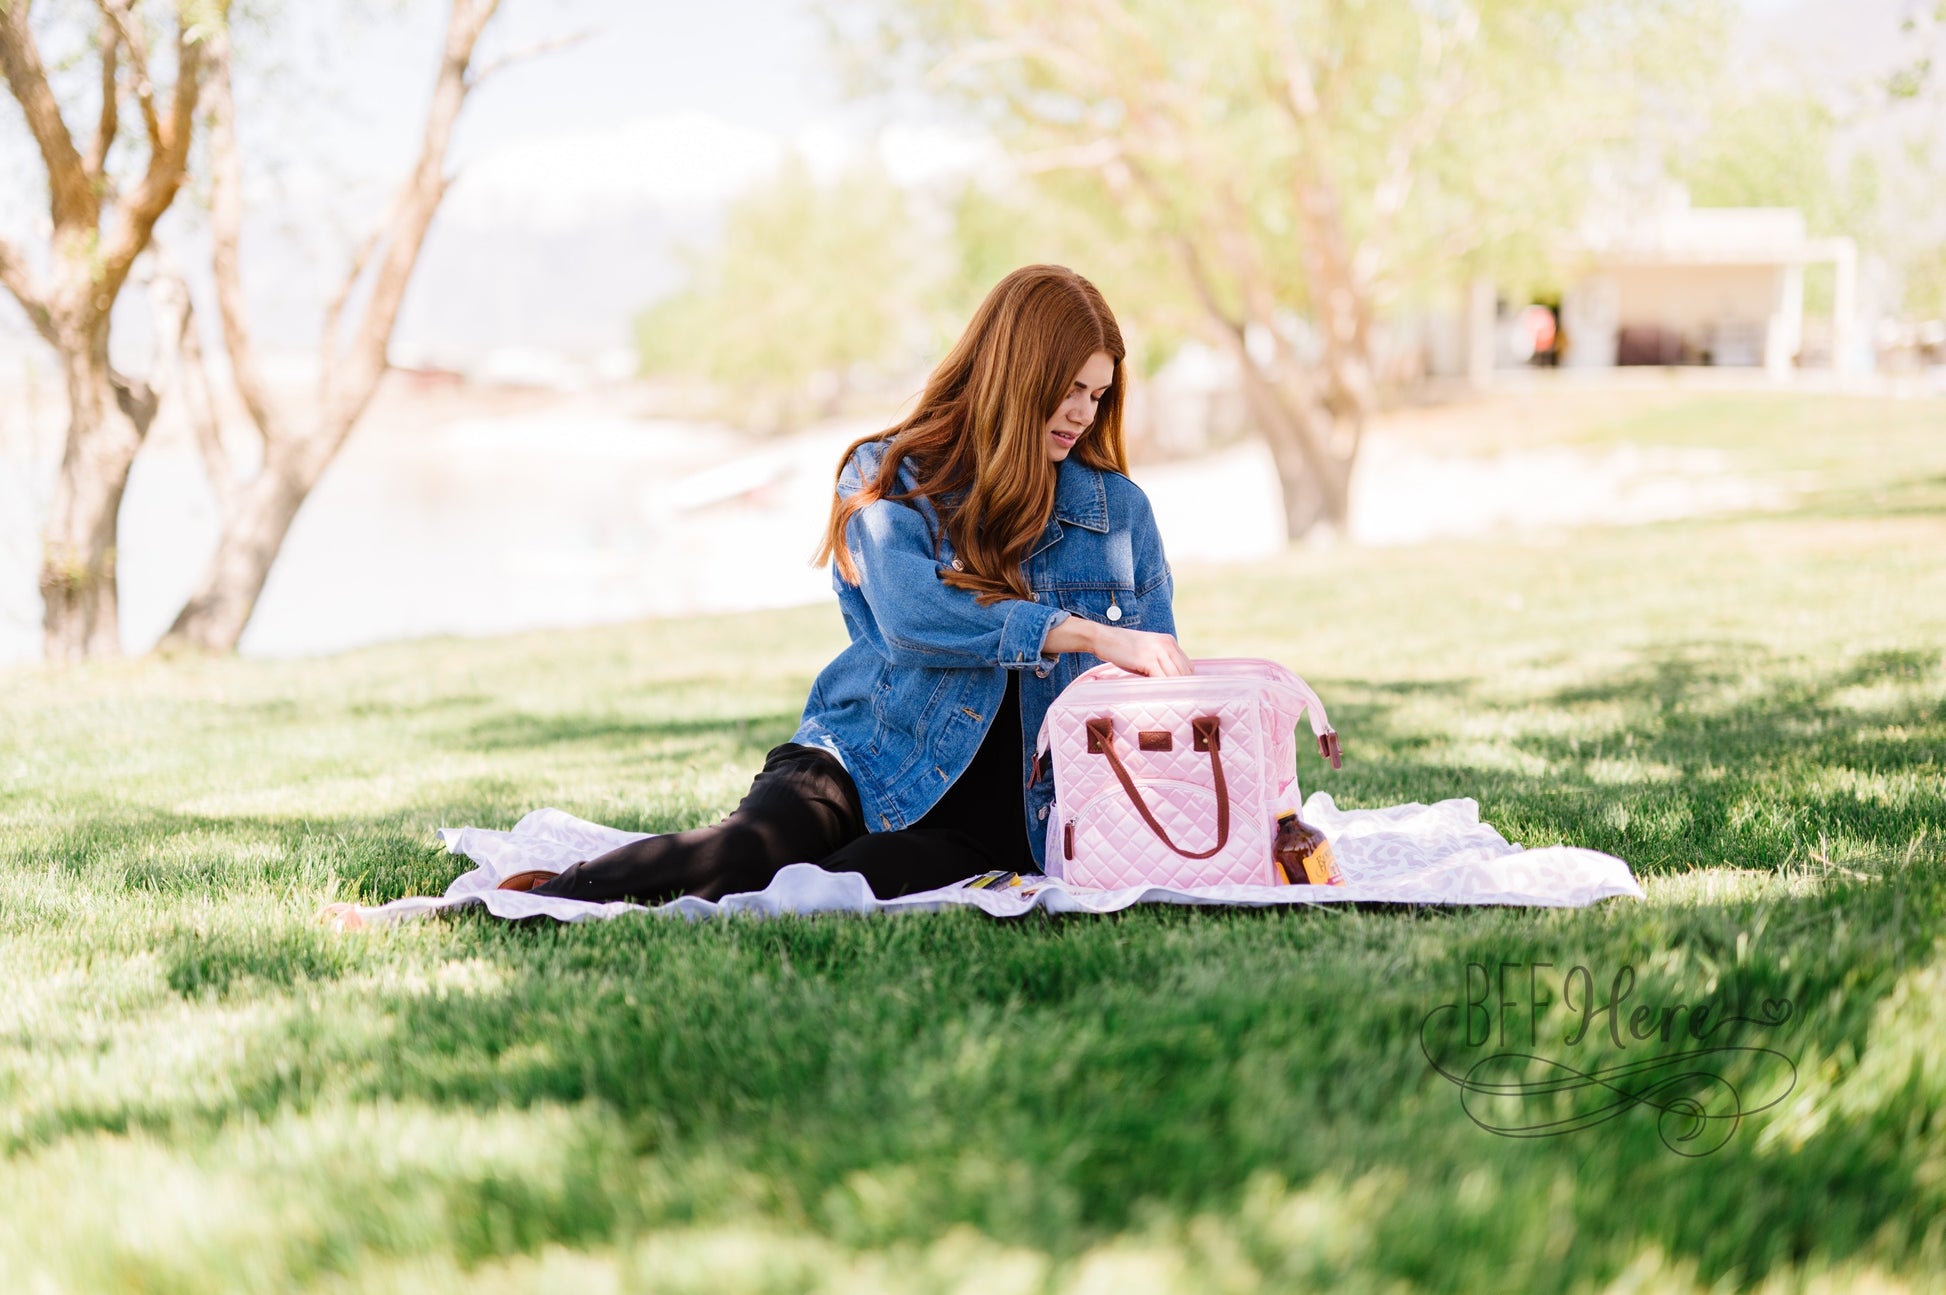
(1302, 853)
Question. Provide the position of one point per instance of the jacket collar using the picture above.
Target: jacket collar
(1080, 499)
(1081, 495)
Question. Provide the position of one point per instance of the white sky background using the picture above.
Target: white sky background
(743, 71)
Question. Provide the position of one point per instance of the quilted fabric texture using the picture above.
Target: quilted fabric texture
(1098, 838)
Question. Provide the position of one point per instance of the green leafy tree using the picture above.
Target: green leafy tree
(1293, 169)
(1915, 229)
(1921, 71)
(1778, 148)
(809, 282)
(995, 230)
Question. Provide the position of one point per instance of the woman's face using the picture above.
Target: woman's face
(1077, 411)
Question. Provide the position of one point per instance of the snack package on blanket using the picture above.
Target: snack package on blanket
(1175, 781)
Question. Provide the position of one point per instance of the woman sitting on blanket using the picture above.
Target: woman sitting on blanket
(985, 551)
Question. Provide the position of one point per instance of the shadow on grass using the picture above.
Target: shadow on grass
(1722, 754)
(219, 963)
(117, 847)
(1059, 1082)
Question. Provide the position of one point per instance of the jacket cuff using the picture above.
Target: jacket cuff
(1024, 634)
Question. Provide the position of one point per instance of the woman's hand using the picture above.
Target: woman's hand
(1137, 651)
(1142, 652)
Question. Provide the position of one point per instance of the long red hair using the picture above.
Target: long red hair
(978, 437)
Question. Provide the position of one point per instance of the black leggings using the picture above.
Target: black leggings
(802, 807)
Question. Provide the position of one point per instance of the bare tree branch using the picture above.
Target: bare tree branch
(1197, 272)
(1445, 76)
(1340, 287)
(226, 231)
(17, 277)
(347, 386)
(1285, 422)
(525, 52)
(109, 120)
(136, 212)
(199, 407)
(334, 310)
(1281, 394)
(1024, 46)
(71, 198)
(120, 15)
(90, 259)
(297, 452)
(182, 377)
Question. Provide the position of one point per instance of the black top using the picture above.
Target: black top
(989, 800)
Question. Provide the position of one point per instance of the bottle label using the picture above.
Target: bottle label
(1321, 866)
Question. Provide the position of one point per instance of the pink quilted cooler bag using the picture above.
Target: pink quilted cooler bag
(1175, 781)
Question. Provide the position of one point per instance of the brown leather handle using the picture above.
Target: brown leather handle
(1101, 741)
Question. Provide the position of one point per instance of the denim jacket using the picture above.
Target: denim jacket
(905, 706)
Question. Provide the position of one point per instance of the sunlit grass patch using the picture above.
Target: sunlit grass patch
(202, 1089)
(301, 1197)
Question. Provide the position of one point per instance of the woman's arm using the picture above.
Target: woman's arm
(927, 622)
(1137, 651)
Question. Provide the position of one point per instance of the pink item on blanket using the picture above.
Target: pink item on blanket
(1175, 781)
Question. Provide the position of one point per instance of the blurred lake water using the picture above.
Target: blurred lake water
(469, 513)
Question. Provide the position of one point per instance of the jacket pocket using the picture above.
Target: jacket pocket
(881, 707)
(1114, 605)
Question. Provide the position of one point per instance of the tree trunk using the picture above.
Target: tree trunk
(1313, 473)
(98, 227)
(108, 419)
(298, 450)
(1313, 494)
(215, 616)
(1285, 406)
(1305, 508)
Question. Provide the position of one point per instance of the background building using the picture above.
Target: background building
(1713, 286)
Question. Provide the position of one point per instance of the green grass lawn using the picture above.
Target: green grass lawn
(202, 1090)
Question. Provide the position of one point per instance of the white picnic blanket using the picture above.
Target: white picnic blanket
(1415, 854)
